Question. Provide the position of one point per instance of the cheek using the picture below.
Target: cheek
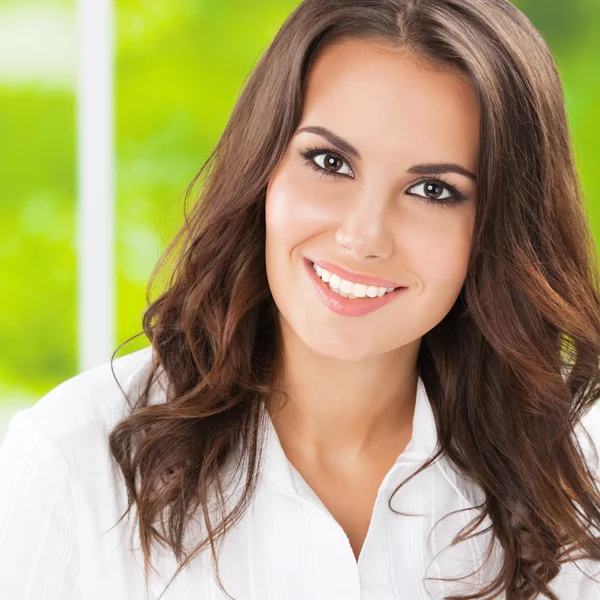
(279, 208)
(295, 211)
(283, 232)
(441, 255)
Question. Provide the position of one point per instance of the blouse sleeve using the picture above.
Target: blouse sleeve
(38, 538)
(590, 589)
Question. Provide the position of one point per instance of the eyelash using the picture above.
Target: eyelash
(456, 198)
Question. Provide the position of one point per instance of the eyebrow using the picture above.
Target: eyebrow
(421, 169)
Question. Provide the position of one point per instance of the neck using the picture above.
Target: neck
(349, 409)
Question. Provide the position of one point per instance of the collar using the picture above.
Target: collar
(281, 474)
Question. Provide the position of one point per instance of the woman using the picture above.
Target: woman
(374, 368)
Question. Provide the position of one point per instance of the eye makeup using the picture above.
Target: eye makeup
(455, 197)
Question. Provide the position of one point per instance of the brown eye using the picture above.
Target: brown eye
(329, 162)
(332, 163)
(433, 189)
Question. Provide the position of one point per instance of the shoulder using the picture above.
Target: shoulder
(58, 481)
(96, 396)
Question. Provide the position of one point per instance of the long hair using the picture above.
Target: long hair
(509, 371)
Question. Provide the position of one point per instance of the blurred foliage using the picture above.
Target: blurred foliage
(180, 66)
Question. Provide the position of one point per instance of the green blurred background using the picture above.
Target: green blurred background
(180, 65)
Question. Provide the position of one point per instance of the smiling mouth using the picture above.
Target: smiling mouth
(367, 299)
(349, 289)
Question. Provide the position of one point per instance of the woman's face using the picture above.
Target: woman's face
(376, 188)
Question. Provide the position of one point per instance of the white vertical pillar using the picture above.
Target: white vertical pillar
(95, 172)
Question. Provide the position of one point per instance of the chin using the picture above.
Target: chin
(340, 348)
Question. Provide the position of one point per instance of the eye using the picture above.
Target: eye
(437, 191)
(327, 162)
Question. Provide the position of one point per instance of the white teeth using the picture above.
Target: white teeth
(359, 290)
(348, 289)
(346, 286)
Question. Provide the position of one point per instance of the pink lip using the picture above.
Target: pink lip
(355, 277)
(345, 306)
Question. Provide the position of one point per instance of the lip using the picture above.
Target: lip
(355, 277)
(345, 306)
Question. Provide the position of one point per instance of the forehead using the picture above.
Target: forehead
(380, 97)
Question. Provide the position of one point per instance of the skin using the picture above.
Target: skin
(352, 380)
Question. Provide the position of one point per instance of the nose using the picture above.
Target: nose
(365, 228)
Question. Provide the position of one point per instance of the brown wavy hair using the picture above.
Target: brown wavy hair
(509, 371)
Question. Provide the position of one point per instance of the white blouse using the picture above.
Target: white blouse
(61, 493)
